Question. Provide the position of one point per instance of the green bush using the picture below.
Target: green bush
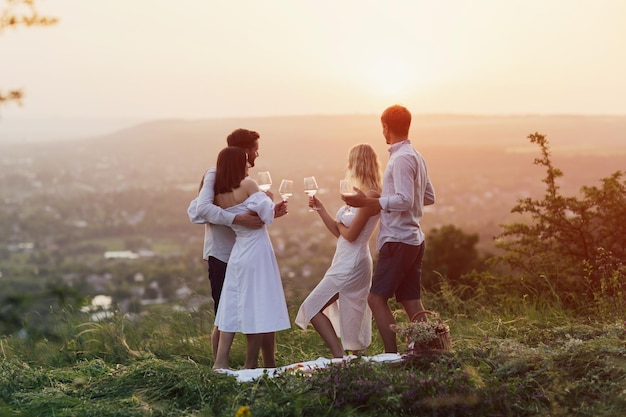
(569, 248)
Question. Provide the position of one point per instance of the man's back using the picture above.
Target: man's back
(406, 189)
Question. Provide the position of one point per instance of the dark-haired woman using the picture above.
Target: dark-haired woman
(253, 299)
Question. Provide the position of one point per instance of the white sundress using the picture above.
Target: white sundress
(253, 299)
(350, 276)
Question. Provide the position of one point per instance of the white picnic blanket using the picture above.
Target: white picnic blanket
(246, 375)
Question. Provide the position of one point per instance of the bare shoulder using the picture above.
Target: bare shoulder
(373, 194)
(249, 185)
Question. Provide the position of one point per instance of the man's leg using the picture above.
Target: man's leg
(411, 288)
(217, 273)
(386, 279)
(215, 340)
(383, 318)
(413, 306)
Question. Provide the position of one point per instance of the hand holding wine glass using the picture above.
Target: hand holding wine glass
(310, 188)
(285, 189)
(356, 199)
(346, 188)
(265, 181)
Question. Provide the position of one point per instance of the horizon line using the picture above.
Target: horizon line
(297, 115)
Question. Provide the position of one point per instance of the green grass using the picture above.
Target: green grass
(110, 243)
(159, 364)
(166, 248)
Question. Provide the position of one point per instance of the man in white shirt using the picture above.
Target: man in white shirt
(406, 190)
(219, 238)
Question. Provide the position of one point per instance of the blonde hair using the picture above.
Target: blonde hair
(364, 168)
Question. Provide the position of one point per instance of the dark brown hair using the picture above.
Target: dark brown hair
(230, 169)
(243, 138)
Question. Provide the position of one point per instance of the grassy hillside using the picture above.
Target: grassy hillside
(525, 363)
(545, 339)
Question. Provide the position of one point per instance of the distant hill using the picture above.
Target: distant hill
(583, 132)
(302, 145)
(480, 165)
(323, 141)
(301, 140)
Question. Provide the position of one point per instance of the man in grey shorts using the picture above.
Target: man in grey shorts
(406, 190)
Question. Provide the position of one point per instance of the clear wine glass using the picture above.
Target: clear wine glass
(285, 189)
(265, 181)
(346, 187)
(310, 188)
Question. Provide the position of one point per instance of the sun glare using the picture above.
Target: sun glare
(390, 79)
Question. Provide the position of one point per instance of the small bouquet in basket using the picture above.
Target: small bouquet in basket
(423, 335)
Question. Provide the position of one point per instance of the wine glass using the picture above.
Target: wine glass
(310, 188)
(265, 181)
(346, 188)
(286, 189)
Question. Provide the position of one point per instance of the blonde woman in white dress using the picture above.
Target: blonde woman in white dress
(337, 307)
(252, 300)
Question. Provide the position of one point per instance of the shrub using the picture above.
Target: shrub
(568, 243)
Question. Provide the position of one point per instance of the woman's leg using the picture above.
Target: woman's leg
(268, 350)
(324, 327)
(223, 350)
(252, 350)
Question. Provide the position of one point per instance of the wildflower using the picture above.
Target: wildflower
(243, 411)
(424, 333)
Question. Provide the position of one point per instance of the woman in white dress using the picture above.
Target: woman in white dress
(253, 299)
(337, 307)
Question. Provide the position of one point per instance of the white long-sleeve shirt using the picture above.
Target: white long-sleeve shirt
(406, 190)
(219, 238)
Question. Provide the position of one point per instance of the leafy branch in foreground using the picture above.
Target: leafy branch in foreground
(23, 13)
(20, 13)
(11, 95)
(569, 245)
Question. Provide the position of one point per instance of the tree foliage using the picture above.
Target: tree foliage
(574, 245)
(17, 13)
(450, 253)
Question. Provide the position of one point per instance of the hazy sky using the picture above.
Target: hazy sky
(206, 59)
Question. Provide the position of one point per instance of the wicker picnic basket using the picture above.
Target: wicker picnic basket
(423, 335)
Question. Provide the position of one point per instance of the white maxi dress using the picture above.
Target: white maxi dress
(350, 276)
(253, 299)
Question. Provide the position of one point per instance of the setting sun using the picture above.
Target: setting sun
(248, 58)
(389, 79)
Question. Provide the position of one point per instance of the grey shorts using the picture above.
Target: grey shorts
(399, 271)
